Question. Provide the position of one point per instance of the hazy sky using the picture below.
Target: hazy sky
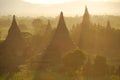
(53, 7)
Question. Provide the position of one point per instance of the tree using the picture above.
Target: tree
(100, 68)
(38, 26)
(23, 27)
(118, 71)
(87, 70)
(73, 62)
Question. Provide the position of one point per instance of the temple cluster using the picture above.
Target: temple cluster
(61, 53)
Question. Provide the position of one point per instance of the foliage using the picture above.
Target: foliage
(73, 63)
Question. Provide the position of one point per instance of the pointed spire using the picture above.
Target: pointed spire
(14, 21)
(48, 28)
(61, 14)
(13, 17)
(14, 31)
(61, 27)
(48, 25)
(108, 25)
(61, 20)
(14, 26)
(86, 9)
(49, 22)
(86, 17)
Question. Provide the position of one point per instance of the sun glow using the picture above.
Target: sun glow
(47, 1)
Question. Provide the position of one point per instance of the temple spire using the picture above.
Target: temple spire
(14, 27)
(61, 23)
(48, 26)
(86, 10)
(14, 23)
(86, 18)
(108, 25)
(49, 23)
(14, 18)
(61, 14)
(62, 35)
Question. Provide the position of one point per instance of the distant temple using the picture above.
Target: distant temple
(48, 28)
(86, 19)
(84, 32)
(108, 27)
(47, 35)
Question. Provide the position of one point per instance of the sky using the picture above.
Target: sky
(52, 8)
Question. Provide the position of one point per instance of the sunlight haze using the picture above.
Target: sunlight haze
(52, 8)
(47, 1)
(63, 1)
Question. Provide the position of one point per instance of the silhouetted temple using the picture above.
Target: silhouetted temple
(62, 40)
(60, 44)
(108, 27)
(14, 40)
(48, 35)
(86, 19)
(13, 47)
(49, 27)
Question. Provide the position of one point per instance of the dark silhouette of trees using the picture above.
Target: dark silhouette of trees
(73, 62)
(39, 26)
(29, 48)
(23, 27)
(42, 34)
(100, 68)
(87, 71)
(118, 71)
